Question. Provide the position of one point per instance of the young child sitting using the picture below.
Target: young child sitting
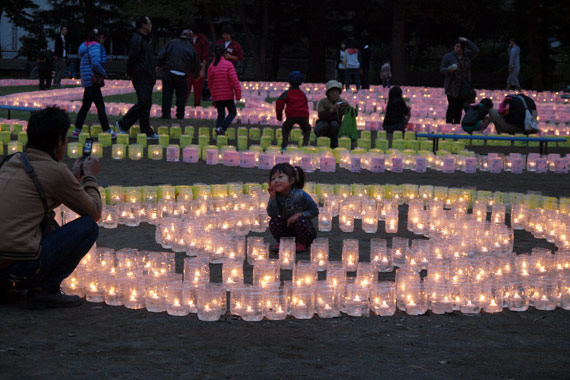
(476, 116)
(290, 208)
(294, 101)
(397, 112)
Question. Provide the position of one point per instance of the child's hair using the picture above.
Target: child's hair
(488, 103)
(395, 93)
(291, 172)
(218, 52)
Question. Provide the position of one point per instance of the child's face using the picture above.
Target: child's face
(280, 183)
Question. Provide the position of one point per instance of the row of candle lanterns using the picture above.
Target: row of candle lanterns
(469, 284)
(326, 160)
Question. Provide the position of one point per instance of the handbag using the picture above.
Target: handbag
(96, 78)
(348, 125)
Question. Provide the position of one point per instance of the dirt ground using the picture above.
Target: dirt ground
(96, 341)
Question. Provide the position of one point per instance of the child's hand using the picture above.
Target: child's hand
(270, 190)
(293, 219)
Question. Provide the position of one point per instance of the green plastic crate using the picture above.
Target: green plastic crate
(398, 144)
(324, 141)
(344, 142)
(382, 144)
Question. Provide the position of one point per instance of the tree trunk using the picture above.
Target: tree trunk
(278, 22)
(210, 22)
(251, 41)
(316, 70)
(534, 47)
(399, 65)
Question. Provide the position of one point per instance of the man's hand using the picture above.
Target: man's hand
(293, 219)
(202, 73)
(91, 166)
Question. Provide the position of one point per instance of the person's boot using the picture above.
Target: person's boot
(42, 299)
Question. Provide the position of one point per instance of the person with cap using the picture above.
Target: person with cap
(232, 49)
(202, 46)
(331, 110)
(177, 61)
(295, 103)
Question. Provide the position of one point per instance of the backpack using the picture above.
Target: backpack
(530, 122)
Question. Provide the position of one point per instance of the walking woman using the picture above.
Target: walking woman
(224, 86)
(93, 59)
(456, 67)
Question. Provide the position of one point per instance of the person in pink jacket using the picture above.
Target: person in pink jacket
(223, 83)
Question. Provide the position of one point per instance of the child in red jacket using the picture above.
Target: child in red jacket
(297, 109)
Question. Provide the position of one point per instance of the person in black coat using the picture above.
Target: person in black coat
(45, 66)
(60, 52)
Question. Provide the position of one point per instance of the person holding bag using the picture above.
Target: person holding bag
(93, 58)
(456, 67)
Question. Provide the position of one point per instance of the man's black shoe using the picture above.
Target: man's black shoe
(40, 299)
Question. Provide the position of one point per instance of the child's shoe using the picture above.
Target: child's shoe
(275, 248)
(300, 248)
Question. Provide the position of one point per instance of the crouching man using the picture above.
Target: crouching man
(36, 253)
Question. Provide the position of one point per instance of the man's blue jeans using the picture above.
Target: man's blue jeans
(62, 251)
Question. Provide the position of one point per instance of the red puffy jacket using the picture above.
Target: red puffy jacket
(223, 81)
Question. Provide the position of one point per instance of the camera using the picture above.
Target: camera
(87, 147)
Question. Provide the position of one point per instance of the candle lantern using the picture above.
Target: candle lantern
(350, 254)
(326, 302)
(287, 252)
(74, 150)
(383, 298)
(356, 300)
(545, 292)
(97, 150)
(391, 222)
(320, 253)
(274, 302)
(565, 291)
(133, 296)
(109, 217)
(518, 293)
(303, 302)
(370, 221)
(471, 292)
(155, 152)
(498, 213)
(257, 251)
(325, 219)
(247, 159)
(492, 296)
(232, 273)
(118, 151)
(74, 284)
(173, 153)
(94, 290)
(304, 274)
(196, 271)
(346, 217)
(231, 158)
(175, 299)
(114, 291)
(366, 275)
(265, 272)
(155, 295)
(399, 250)
(190, 154)
(209, 302)
(252, 304)
(380, 256)
(190, 297)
